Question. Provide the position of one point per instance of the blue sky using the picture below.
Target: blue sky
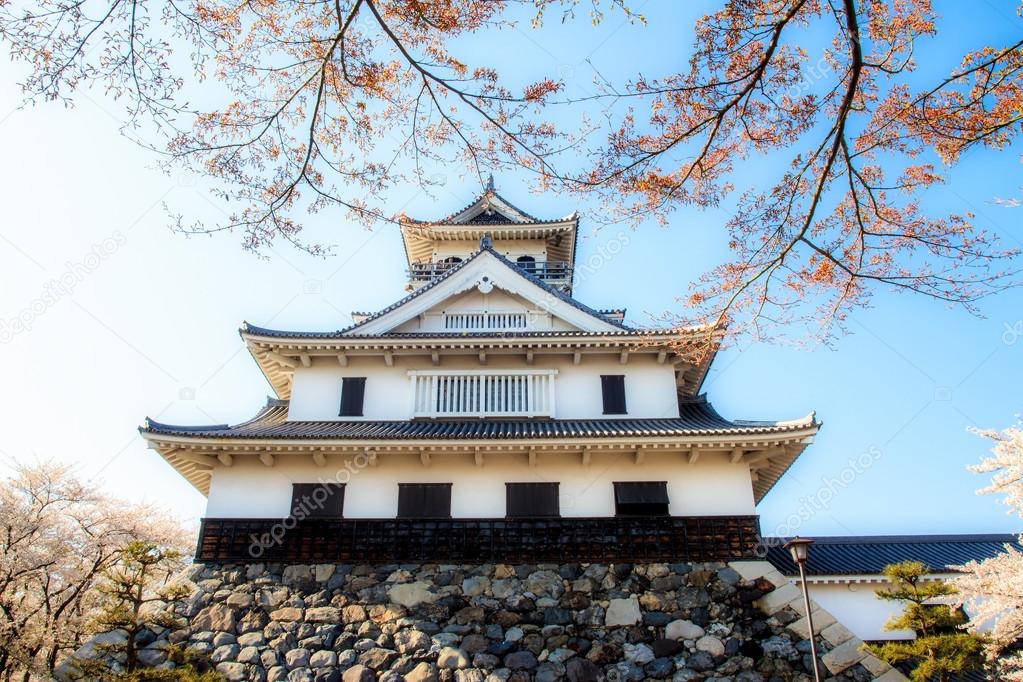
(146, 322)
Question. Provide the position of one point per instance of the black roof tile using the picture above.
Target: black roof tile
(341, 334)
(868, 555)
(490, 191)
(697, 417)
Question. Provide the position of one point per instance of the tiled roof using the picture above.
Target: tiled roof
(511, 335)
(868, 555)
(697, 418)
(490, 193)
(423, 289)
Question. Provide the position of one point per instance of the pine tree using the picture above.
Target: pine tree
(942, 646)
(133, 596)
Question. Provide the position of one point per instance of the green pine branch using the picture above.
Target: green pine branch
(942, 647)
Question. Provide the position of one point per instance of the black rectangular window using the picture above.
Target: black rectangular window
(648, 498)
(532, 499)
(613, 388)
(424, 500)
(317, 500)
(353, 390)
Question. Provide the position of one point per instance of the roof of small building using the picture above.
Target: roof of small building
(697, 417)
(868, 555)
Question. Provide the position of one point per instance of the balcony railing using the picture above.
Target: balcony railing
(555, 270)
(483, 393)
(605, 540)
(551, 269)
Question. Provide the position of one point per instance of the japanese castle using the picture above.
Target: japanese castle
(486, 415)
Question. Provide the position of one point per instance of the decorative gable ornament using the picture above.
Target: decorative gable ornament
(485, 271)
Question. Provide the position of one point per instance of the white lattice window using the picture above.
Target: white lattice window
(483, 393)
(485, 321)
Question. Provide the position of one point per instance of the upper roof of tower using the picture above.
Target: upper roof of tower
(490, 213)
(490, 208)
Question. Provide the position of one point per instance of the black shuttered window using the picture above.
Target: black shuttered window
(424, 500)
(317, 500)
(353, 391)
(613, 388)
(648, 498)
(532, 500)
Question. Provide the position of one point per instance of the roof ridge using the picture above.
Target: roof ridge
(486, 195)
(511, 334)
(712, 422)
(701, 399)
(810, 418)
(150, 424)
(908, 539)
(271, 404)
(554, 291)
(413, 295)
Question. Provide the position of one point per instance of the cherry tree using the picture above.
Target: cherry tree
(289, 108)
(993, 588)
(58, 538)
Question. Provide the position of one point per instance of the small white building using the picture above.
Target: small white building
(486, 414)
(844, 573)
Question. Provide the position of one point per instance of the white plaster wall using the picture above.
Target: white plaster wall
(857, 607)
(649, 386)
(712, 486)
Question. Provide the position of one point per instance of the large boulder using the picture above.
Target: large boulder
(623, 612)
(412, 594)
(423, 672)
(218, 618)
(451, 658)
(411, 641)
(323, 614)
(358, 673)
(683, 629)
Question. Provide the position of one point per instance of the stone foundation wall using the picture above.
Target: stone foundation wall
(580, 622)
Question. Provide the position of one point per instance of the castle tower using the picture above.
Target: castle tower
(491, 481)
(487, 416)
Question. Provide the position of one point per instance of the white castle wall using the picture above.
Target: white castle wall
(649, 386)
(712, 486)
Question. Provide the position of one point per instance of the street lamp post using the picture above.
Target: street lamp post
(800, 550)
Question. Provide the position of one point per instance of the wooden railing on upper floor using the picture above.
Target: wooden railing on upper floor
(554, 270)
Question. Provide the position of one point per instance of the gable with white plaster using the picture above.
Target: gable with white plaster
(496, 301)
(486, 272)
